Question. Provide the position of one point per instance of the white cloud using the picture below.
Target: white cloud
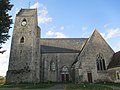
(117, 48)
(62, 28)
(36, 5)
(103, 35)
(85, 34)
(106, 25)
(4, 59)
(113, 32)
(43, 17)
(84, 28)
(52, 34)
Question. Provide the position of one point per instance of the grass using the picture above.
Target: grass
(110, 84)
(69, 86)
(87, 86)
(27, 86)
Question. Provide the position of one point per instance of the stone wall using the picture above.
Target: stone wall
(87, 59)
(24, 56)
(61, 60)
(113, 76)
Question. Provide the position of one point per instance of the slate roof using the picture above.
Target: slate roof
(51, 49)
(115, 61)
(62, 45)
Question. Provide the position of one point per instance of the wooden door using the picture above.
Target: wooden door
(67, 77)
(63, 78)
(89, 77)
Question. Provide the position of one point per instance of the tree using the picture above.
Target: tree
(5, 21)
(2, 78)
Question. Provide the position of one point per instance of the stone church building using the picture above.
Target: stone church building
(34, 59)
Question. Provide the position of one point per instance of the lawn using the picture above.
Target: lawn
(87, 86)
(110, 84)
(27, 86)
(69, 86)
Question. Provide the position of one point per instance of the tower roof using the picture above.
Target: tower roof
(27, 12)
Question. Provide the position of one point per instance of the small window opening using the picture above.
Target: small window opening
(118, 75)
(24, 20)
(22, 40)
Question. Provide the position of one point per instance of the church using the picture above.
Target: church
(34, 59)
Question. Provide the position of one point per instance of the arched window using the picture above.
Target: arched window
(100, 62)
(22, 40)
(52, 66)
(65, 69)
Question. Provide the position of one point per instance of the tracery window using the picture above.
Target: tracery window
(22, 40)
(100, 62)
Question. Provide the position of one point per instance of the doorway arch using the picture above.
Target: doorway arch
(65, 74)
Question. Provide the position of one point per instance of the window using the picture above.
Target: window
(100, 62)
(22, 40)
(45, 64)
(53, 66)
(65, 70)
(117, 75)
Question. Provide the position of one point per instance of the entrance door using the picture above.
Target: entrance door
(89, 77)
(65, 77)
(65, 74)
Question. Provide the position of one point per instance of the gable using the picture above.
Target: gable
(95, 45)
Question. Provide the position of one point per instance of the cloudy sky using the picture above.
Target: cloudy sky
(70, 19)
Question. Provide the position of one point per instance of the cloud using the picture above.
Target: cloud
(85, 34)
(84, 28)
(62, 28)
(4, 62)
(43, 17)
(52, 34)
(117, 48)
(103, 35)
(113, 32)
(36, 5)
(106, 25)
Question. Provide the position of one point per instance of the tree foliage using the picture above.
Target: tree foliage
(5, 20)
(2, 78)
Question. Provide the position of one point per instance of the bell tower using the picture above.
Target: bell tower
(24, 61)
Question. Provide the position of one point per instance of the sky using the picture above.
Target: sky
(70, 19)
